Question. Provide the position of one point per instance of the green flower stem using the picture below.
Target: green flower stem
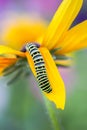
(52, 114)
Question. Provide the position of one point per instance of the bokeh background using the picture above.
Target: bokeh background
(21, 104)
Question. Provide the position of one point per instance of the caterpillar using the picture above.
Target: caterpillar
(40, 68)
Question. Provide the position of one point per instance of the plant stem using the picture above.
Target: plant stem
(52, 114)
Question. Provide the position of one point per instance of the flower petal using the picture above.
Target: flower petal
(74, 39)
(58, 91)
(6, 62)
(61, 22)
(31, 63)
(65, 63)
(8, 50)
(22, 30)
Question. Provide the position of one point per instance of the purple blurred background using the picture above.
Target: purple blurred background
(45, 8)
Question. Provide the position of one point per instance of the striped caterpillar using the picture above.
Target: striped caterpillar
(40, 68)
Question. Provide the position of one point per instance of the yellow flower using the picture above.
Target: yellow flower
(55, 43)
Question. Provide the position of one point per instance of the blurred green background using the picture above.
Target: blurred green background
(21, 104)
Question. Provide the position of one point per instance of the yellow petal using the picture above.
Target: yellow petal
(8, 50)
(58, 91)
(24, 30)
(68, 62)
(6, 62)
(64, 62)
(75, 39)
(31, 63)
(61, 22)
